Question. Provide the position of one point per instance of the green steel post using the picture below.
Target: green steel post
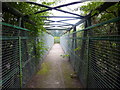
(88, 51)
(20, 61)
(74, 52)
(69, 44)
(0, 50)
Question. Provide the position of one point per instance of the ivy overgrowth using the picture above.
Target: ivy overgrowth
(37, 30)
(40, 49)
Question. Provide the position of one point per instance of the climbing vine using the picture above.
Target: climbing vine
(37, 28)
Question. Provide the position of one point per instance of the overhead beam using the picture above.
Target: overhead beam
(57, 29)
(51, 21)
(66, 20)
(56, 24)
(63, 20)
(60, 11)
(60, 17)
(55, 8)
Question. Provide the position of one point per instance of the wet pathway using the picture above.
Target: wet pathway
(55, 72)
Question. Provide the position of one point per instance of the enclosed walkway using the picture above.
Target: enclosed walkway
(88, 55)
(55, 72)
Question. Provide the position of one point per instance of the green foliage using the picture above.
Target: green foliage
(28, 10)
(76, 49)
(40, 49)
(90, 7)
(57, 39)
(66, 55)
(108, 14)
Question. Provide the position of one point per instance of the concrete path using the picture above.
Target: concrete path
(55, 72)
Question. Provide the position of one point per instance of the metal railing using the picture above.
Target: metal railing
(94, 54)
(18, 55)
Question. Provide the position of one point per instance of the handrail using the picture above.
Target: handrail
(6, 24)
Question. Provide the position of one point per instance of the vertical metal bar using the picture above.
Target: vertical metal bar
(20, 61)
(82, 52)
(0, 46)
(68, 38)
(20, 53)
(118, 30)
(88, 51)
(20, 21)
(75, 46)
(88, 47)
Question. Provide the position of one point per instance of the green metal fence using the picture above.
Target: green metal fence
(18, 55)
(94, 54)
(48, 42)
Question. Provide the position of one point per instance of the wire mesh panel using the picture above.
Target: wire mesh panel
(64, 41)
(48, 41)
(104, 62)
(10, 57)
(10, 62)
(94, 54)
(20, 60)
(77, 50)
(28, 59)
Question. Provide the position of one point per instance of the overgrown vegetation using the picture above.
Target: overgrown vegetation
(37, 28)
(108, 14)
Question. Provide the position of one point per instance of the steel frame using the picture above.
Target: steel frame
(56, 8)
(66, 18)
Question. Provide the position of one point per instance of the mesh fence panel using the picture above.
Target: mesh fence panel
(48, 43)
(10, 59)
(48, 40)
(19, 62)
(104, 63)
(95, 56)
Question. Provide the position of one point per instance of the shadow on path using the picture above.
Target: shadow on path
(55, 72)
